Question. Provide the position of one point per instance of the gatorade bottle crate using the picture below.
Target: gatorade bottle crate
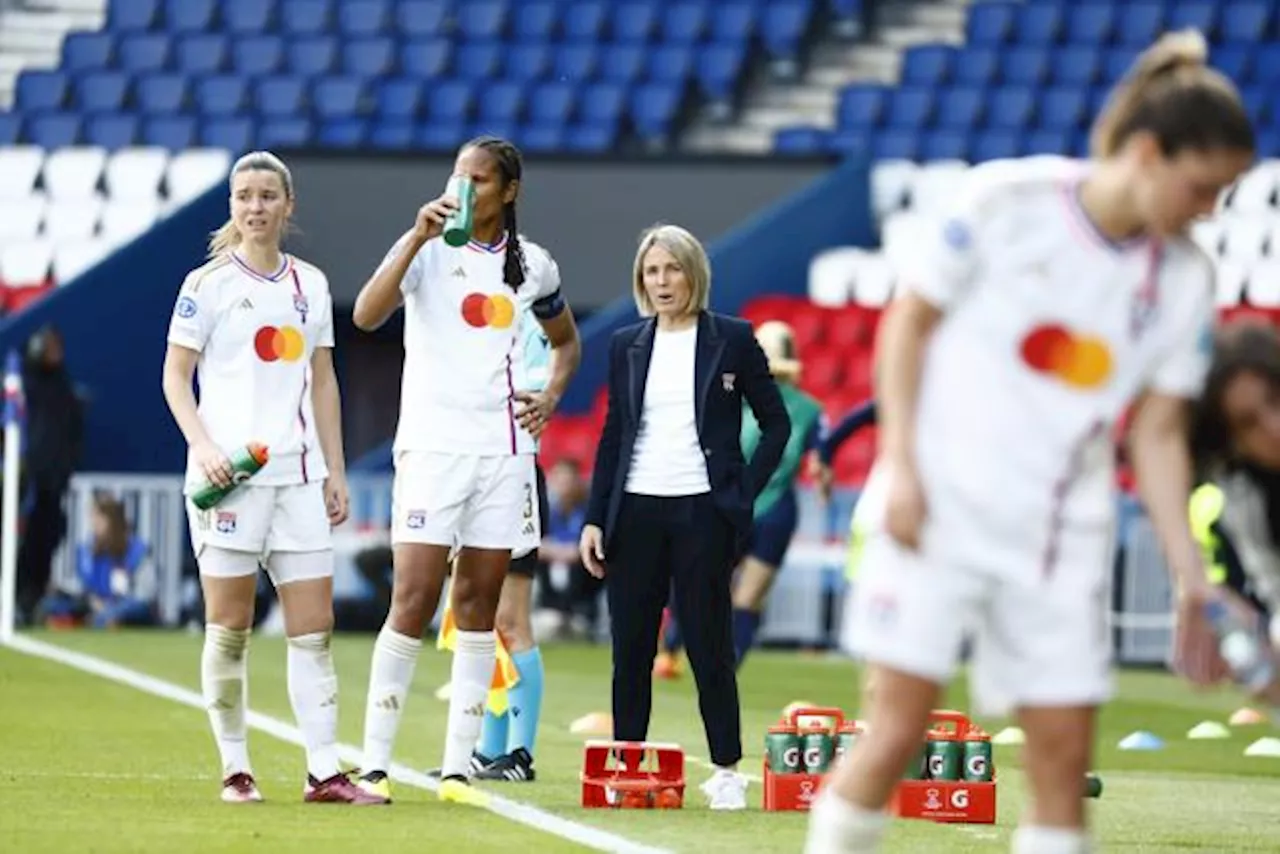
(795, 790)
(632, 775)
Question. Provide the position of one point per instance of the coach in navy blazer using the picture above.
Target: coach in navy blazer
(671, 495)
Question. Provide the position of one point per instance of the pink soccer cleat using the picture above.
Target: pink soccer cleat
(339, 789)
(239, 788)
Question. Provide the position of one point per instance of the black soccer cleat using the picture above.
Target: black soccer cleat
(515, 767)
(477, 764)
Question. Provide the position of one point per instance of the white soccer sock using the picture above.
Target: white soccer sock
(472, 674)
(1050, 840)
(225, 684)
(313, 692)
(839, 827)
(394, 659)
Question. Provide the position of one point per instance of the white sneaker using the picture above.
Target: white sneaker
(726, 790)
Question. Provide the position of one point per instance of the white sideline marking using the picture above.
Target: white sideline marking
(530, 816)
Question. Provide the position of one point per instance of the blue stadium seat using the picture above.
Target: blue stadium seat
(1011, 108)
(375, 57)
(247, 17)
(1257, 103)
(363, 18)
(1200, 15)
(590, 139)
(945, 144)
(533, 21)
(337, 97)
(440, 136)
(41, 90)
(111, 130)
(540, 139)
(313, 56)
(418, 19)
(528, 61)
(481, 19)
(200, 55)
(142, 52)
(685, 23)
(220, 95)
(176, 133)
(1038, 24)
(782, 27)
(1063, 108)
(1266, 67)
(634, 21)
(576, 62)
(425, 59)
(1025, 66)
(847, 143)
(1075, 65)
(961, 108)
(306, 17)
(653, 109)
(449, 101)
(927, 65)
(502, 130)
(990, 24)
(552, 103)
(130, 15)
(734, 21)
(1235, 61)
(718, 69)
(280, 96)
(233, 134)
(1246, 22)
(1138, 22)
(862, 105)
(1116, 64)
(1090, 23)
(1044, 141)
(478, 61)
(102, 91)
(399, 99)
(801, 141)
(896, 144)
(976, 66)
(254, 56)
(10, 128)
(390, 136)
(622, 63)
(602, 104)
(910, 108)
(995, 145)
(342, 133)
(584, 20)
(284, 133)
(86, 52)
(189, 16)
(53, 130)
(502, 102)
(671, 63)
(160, 94)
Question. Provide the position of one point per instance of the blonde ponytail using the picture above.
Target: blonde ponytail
(228, 236)
(1171, 92)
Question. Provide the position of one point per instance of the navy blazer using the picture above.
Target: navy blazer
(728, 366)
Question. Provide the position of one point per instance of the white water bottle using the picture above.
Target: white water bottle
(1242, 648)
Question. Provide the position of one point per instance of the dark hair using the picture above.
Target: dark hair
(1245, 346)
(511, 168)
(1171, 93)
(115, 542)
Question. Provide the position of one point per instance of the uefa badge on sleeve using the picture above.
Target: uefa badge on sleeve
(956, 235)
(186, 307)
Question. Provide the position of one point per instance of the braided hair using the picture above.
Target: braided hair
(511, 168)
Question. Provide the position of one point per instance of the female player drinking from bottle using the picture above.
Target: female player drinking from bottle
(1053, 296)
(464, 446)
(257, 326)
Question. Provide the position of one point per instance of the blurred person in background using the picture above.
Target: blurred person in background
(776, 511)
(53, 437)
(671, 494)
(570, 599)
(116, 575)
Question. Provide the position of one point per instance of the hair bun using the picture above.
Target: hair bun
(1182, 49)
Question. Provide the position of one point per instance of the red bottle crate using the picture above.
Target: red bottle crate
(632, 775)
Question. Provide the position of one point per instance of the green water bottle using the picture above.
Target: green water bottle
(818, 748)
(845, 737)
(457, 228)
(245, 463)
(944, 757)
(977, 760)
(918, 768)
(782, 746)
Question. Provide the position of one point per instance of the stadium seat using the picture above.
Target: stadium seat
(276, 97)
(87, 52)
(132, 15)
(990, 24)
(142, 52)
(20, 218)
(1076, 65)
(734, 22)
(552, 103)
(1199, 15)
(502, 102)
(527, 62)
(481, 19)
(41, 90)
(247, 17)
(392, 135)
(399, 99)
(71, 174)
(961, 109)
(312, 56)
(257, 55)
(1246, 22)
(305, 17)
(281, 132)
(336, 97)
(533, 21)
(234, 134)
(101, 91)
(591, 139)
(440, 136)
(976, 66)
(72, 220)
(174, 133)
(634, 21)
(1090, 23)
(478, 61)
(343, 133)
(622, 63)
(19, 168)
(783, 26)
(670, 64)
(910, 109)
(450, 101)
(685, 22)
(602, 105)
(26, 264)
(1026, 65)
(653, 108)
(123, 221)
(71, 258)
(363, 18)
(800, 141)
(111, 131)
(220, 95)
(195, 170)
(425, 60)
(1138, 22)
(189, 16)
(718, 68)
(201, 54)
(576, 62)
(373, 57)
(135, 173)
(927, 65)
(945, 144)
(10, 128)
(54, 130)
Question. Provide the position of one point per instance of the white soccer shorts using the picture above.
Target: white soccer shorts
(1040, 639)
(463, 500)
(262, 520)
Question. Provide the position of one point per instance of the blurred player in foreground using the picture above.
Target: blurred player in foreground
(776, 511)
(256, 327)
(464, 447)
(1052, 296)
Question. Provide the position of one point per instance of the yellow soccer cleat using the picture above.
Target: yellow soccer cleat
(375, 783)
(457, 791)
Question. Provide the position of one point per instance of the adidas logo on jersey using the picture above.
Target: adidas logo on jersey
(246, 303)
(459, 273)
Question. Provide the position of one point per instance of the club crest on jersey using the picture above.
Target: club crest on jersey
(187, 307)
(416, 519)
(224, 522)
(300, 303)
(727, 380)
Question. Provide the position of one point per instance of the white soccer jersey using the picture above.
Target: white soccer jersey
(255, 335)
(462, 355)
(1050, 331)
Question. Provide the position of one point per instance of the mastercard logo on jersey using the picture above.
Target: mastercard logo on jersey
(279, 344)
(1081, 361)
(482, 310)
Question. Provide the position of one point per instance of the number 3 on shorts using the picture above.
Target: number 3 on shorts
(528, 501)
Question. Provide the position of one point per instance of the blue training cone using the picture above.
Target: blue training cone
(1141, 740)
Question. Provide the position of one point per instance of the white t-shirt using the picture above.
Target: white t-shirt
(462, 355)
(667, 459)
(255, 335)
(1050, 331)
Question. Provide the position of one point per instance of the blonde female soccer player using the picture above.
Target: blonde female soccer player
(255, 326)
(464, 447)
(1052, 296)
